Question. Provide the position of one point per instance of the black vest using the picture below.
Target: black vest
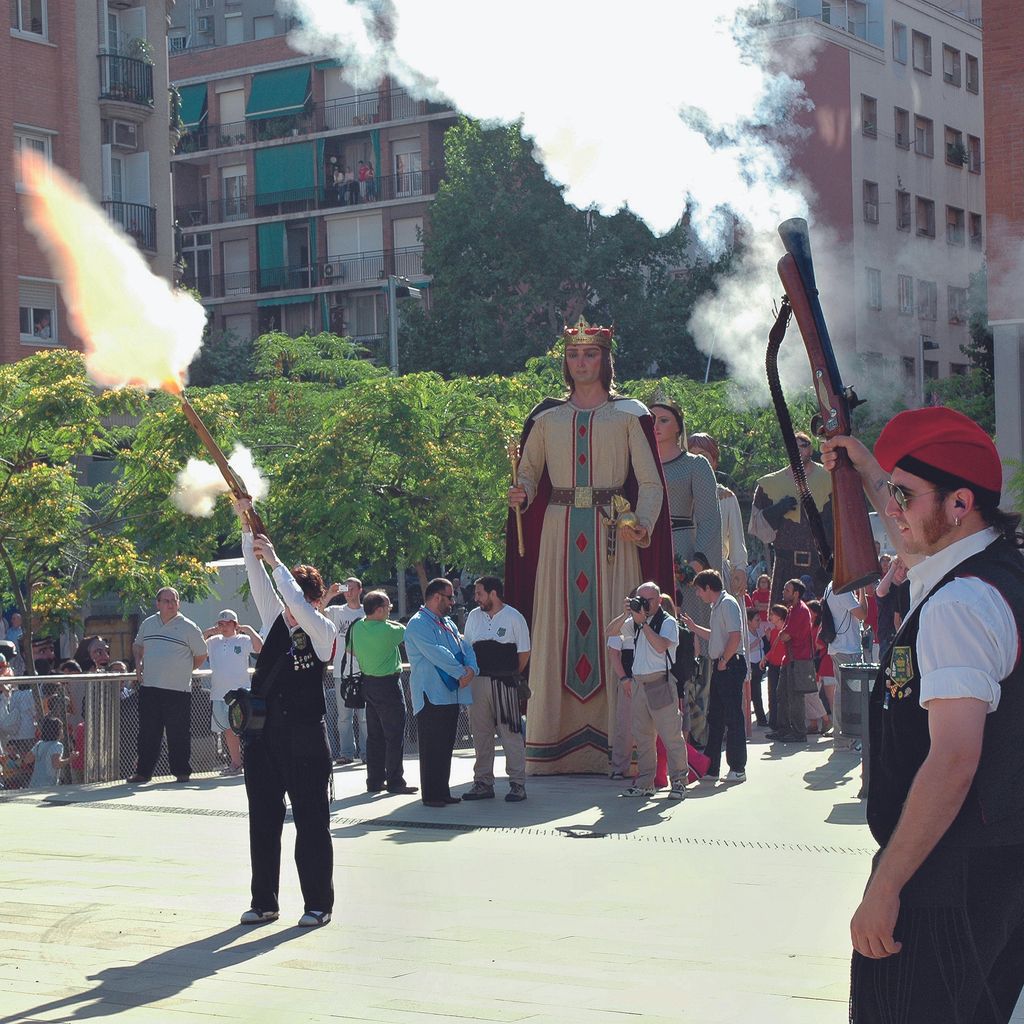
(295, 693)
(993, 811)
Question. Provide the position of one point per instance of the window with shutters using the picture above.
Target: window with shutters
(37, 311)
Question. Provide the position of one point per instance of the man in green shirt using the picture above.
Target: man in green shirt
(375, 641)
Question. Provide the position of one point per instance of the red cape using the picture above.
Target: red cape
(521, 572)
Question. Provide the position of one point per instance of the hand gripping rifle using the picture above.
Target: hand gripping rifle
(854, 561)
(232, 479)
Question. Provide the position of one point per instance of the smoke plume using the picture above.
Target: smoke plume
(136, 329)
(200, 483)
(660, 109)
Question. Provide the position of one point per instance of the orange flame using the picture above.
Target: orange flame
(137, 330)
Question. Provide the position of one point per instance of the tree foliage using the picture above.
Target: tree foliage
(511, 262)
(377, 471)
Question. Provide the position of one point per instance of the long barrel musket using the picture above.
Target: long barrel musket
(854, 558)
(232, 479)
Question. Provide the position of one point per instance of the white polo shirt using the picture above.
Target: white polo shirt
(229, 664)
(343, 616)
(506, 627)
(168, 650)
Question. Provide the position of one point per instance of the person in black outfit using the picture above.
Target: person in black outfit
(289, 755)
(939, 933)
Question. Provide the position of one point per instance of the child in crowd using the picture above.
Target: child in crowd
(814, 708)
(774, 658)
(756, 633)
(762, 596)
(47, 756)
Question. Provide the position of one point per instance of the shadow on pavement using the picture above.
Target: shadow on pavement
(123, 989)
(577, 806)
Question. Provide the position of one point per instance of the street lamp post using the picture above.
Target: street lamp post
(925, 344)
(398, 288)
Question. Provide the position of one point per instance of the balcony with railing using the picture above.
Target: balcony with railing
(408, 185)
(137, 220)
(126, 79)
(365, 268)
(365, 109)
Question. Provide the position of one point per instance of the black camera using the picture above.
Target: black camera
(639, 604)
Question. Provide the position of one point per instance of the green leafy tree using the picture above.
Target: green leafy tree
(407, 470)
(973, 393)
(511, 262)
(56, 540)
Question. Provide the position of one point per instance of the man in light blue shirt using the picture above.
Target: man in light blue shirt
(442, 665)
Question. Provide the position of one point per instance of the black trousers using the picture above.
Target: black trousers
(436, 725)
(756, 697)
(160, 710)
(961, 922)
(385, 731)
(725, 717)
(293, 760)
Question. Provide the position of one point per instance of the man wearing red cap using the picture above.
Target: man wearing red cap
(939, 933)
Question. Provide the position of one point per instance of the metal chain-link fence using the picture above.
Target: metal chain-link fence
(99, 716)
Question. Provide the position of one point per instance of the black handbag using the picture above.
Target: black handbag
(352, 695)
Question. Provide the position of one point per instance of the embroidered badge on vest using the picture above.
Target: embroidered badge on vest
(899, 673)
(302, 653)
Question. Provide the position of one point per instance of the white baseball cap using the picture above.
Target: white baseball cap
(227, 616)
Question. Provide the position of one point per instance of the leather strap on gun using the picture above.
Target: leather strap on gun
(854, 561)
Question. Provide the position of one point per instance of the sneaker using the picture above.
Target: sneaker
(515, 793)
(232, 769)
(254, 916)
(740, 776)
(635, 791)
(315, 919)
(479, 792)
(710, 778)
(137, 779)
(677, 792)
(344, 760)
(616, 775)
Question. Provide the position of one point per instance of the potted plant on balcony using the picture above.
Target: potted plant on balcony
(140, 49)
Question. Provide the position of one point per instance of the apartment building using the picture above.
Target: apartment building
(894, 156)
(84, 85)
(297, 196)
(1004, 177)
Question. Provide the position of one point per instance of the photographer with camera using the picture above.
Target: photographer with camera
(729, 669)
(652, 689)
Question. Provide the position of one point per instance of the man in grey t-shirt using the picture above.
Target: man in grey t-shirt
(168, 648)
(729, 668)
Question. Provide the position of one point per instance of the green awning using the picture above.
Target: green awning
(193, 104)
(285, 169)
(287, 300)
(278, 93)
(327, 65)
(270, 245)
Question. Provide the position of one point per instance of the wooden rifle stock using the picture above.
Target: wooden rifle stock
(854, 559)
(230, 476)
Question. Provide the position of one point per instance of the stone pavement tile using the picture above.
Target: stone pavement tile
(731, 906)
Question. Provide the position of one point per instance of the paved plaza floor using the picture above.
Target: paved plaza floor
(122, 903)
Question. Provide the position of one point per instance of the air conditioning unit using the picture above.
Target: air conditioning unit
(125, 135)
(205, 23)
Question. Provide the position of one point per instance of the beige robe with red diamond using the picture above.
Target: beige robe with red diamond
(579, 590)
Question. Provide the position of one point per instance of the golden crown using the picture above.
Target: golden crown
(582, 333)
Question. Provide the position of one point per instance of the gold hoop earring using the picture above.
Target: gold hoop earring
(956, 521)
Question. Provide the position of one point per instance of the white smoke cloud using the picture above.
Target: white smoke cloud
(654, 108)
(200, 483)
